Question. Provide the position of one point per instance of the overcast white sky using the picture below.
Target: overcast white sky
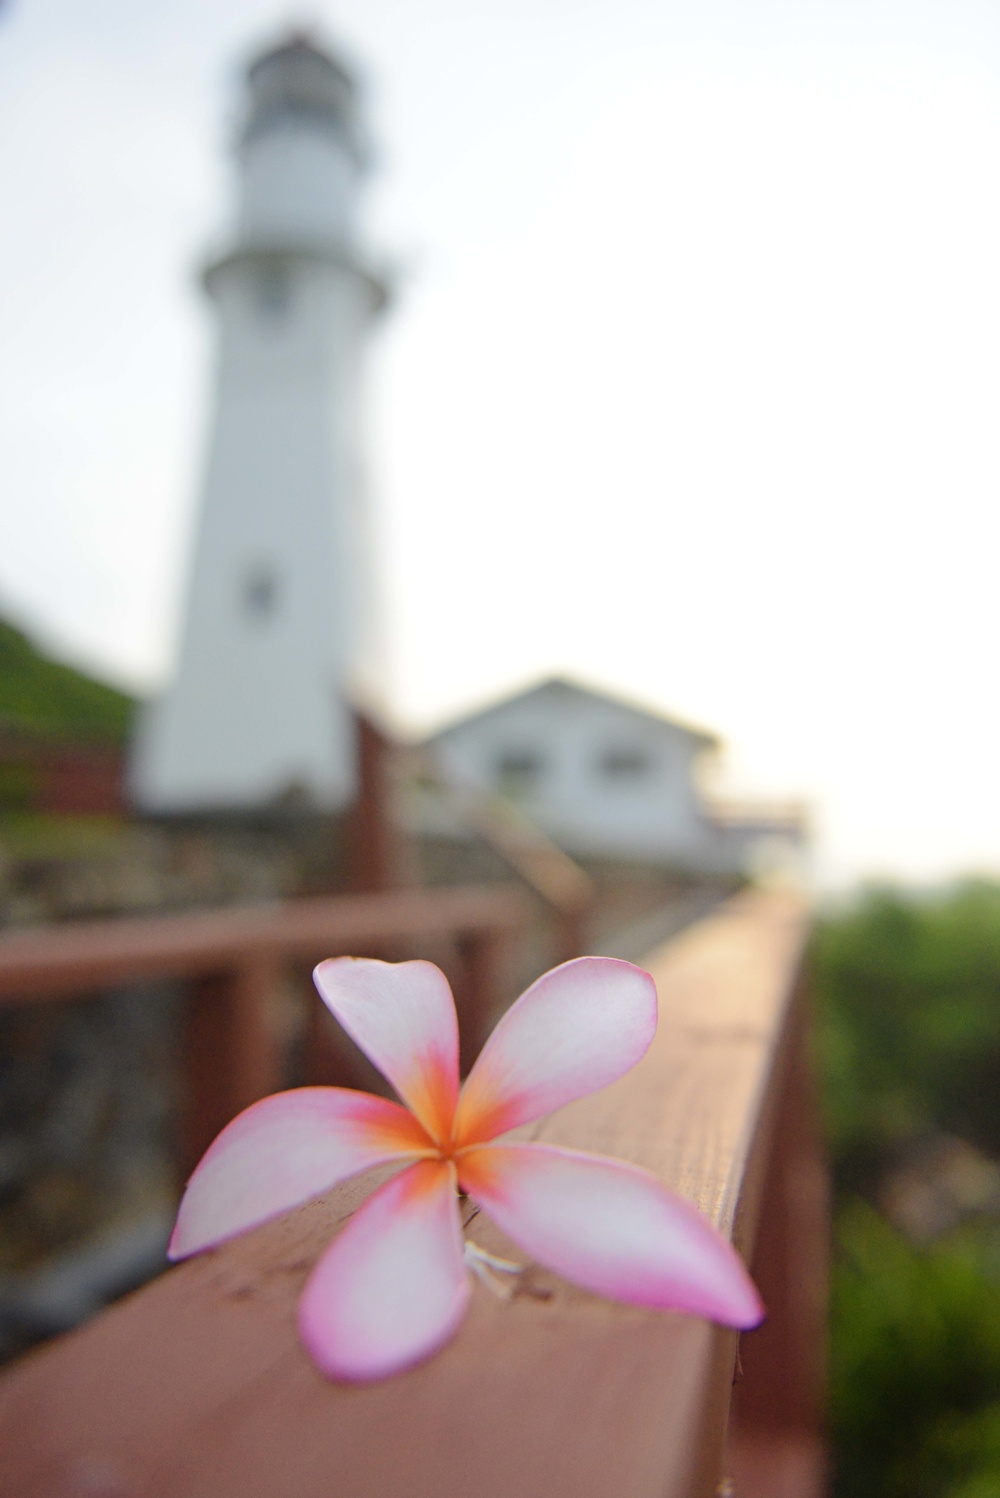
(691, 385)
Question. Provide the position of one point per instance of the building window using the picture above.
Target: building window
(517, 770)
(260, 593)
(274, 293)
(623, 763)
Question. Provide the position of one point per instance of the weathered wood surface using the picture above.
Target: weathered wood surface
(41, 964)
(197, 1387)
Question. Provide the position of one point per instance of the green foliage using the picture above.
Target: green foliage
(47, 698)
(909, 1046)
(17, 786)
(915, 1367)
(909, 997)
(46, 835)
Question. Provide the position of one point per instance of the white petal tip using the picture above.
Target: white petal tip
(365, 1367)
(392, 1289)
(747, 1318)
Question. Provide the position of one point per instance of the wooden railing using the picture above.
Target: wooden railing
(197, 1387)
(233, 960)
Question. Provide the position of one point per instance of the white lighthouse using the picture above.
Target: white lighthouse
(257, 710)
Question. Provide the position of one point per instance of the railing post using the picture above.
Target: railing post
(571, 928)
(478, 990)
(375, 844)
(230, 1050)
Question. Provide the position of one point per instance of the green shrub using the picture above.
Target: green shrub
(909, 999)
(915, 1364)
(908, 991)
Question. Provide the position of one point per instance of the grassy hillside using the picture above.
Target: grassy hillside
(44, 697)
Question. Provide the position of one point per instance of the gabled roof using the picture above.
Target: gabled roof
(561, 685)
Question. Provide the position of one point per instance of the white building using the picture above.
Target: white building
(257, 710)
(605, 779)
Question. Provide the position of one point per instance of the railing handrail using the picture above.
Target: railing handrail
(52, 961)
(197, 1386)
(232, 961)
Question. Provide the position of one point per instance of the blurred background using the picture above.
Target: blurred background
(646, 365)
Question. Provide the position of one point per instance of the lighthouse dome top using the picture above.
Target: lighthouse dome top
(303, 148)
(299, 81)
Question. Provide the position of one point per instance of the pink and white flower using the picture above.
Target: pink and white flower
(393, 1286)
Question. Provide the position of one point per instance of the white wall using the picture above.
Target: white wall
(652, 813)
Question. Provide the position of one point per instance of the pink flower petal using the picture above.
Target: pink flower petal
(283, 1150)
(578, 1028)
(402, 1015)
(611, 1228)
(392, 1288)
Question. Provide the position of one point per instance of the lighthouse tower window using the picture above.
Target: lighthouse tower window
(274, 293)
(260, 593)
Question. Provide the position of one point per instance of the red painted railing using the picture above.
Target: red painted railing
(234, 959)
(196, 1387)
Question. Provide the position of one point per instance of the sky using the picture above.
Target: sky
(689, 387)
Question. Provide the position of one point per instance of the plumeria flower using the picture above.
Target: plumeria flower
(393, 1286)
